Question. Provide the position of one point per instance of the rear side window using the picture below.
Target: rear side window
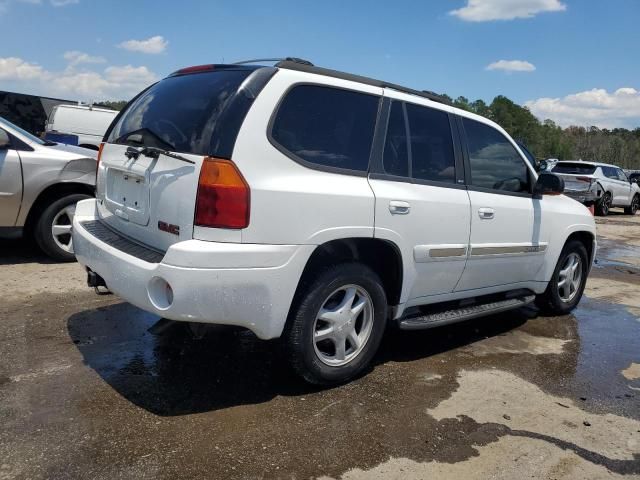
(576, 168)
(326, 126)
(610, 172)
(495, 163)
(185, 113)
(395, 160)
(432, 155)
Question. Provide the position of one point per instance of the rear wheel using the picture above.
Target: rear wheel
(604, 205)
(567, 283)
(53, 229)
(635, 205)
(336, 325)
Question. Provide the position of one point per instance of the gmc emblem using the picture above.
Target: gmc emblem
(169, 228)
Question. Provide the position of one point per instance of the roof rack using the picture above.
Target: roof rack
(301, 61)
(304, 66)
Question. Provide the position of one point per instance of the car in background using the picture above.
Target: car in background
(82, 125)
(40, 183)
(635, 177)
(599, 184)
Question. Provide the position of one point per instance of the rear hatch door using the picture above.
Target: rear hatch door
(192, 115)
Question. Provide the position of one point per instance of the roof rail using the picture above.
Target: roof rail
(306, 67)
(301, 61)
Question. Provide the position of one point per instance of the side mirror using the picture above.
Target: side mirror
(542, 166)
(5, 141)
(548, 184)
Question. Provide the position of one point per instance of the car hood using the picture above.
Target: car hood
(76, 151)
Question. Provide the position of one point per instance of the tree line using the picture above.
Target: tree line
(618, 146)
(546, 139)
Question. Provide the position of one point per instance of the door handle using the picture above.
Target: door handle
(486, 213)
(397, 207)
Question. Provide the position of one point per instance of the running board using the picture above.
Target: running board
(461, 314)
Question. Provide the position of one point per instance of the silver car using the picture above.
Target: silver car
(599, 184)
(40, 183)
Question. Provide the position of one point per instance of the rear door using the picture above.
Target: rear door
(10, 186)
(194, 115)
(508, 234)
(420, 203)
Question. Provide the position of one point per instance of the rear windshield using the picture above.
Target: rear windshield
(574, 168)
(180, 113)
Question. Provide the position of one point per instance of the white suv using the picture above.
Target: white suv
(318, 206)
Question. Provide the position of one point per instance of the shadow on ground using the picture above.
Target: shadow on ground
(173, 373)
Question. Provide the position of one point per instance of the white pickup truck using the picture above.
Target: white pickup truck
(599, 184)
(319, 207)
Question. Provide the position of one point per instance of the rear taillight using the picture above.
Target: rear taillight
(584, 179)
(223, 199)
(100, 148)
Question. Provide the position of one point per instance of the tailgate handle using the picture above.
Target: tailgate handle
(486, 213)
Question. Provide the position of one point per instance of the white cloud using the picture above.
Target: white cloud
(597, 107)
(153, 45)
(511, 66)
(4, 4)
(75, 57)
(114, 82)
(487, 10)
(13, 68)
(64, 3)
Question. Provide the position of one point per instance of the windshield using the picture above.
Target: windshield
(27, 136)
(575, 168)
(179, 113)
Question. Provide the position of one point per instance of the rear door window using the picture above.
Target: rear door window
(495, 163)
(184, 113)
(326, 126)
(432, 155)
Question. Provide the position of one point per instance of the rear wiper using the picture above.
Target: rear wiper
(153, 152)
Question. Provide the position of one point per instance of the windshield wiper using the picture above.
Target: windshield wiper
(153, 152)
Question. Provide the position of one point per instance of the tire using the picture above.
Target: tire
(61, 212)
(555, 300)
(635, 205)
(319, 361)
(604, 205)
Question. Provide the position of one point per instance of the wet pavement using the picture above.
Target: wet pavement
(86, 391)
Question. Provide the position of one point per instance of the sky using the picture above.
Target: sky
(576, 62)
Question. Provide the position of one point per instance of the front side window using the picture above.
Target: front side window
(327, 126)
(622, 176)
(610, 172)
(432, 155)
(495, 163)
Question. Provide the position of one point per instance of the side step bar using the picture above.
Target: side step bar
(430, 320)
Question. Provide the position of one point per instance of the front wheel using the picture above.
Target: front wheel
(53, 230)
(567, 283)
(336, 324)
(635, 205)
(604, 205)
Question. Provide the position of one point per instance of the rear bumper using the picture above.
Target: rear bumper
(247, 285)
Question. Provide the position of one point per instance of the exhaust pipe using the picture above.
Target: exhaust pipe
(95, 281)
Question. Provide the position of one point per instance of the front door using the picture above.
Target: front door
(507, 241)
(420, 205)
(10, 186)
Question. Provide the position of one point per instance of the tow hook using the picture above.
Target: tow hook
(96, 281)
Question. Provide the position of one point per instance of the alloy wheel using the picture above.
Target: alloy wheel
(61, 228)
(343, 325)
(570, 277)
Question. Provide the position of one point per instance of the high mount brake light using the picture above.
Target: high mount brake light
(223, 198)
(195, 69)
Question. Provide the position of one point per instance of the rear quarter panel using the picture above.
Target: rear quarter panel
(291, 203)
